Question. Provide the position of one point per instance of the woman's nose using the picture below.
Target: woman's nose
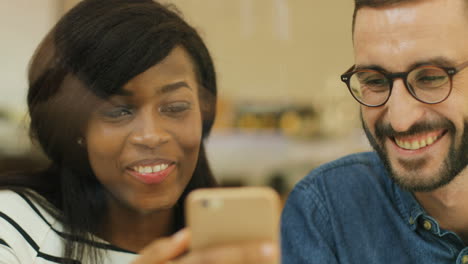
(149, 132)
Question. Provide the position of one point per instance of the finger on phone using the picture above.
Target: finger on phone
(246, 253)
(163, 250)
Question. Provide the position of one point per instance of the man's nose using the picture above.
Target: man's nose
(403, 109)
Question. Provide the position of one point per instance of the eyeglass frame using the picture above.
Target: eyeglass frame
(450, 71)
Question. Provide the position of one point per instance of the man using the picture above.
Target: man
(408, 201)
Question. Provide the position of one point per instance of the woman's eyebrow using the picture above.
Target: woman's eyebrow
(172, 87)
(163, 90)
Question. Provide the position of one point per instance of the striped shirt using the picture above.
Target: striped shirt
(28, 234)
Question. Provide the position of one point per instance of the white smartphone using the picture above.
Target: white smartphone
(218, 216)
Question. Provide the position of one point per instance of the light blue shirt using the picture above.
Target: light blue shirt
(350, 211)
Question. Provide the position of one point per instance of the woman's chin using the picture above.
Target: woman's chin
(151, 207)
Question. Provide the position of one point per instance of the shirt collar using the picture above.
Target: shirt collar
(409, 207)
(407, 204)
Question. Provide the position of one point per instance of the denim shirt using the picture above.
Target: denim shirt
(350, 211)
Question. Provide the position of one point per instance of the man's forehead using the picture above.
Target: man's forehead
(410, 14)
(410, 32)
(399, 9)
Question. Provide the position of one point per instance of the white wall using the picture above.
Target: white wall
(264, 50)
(280, 51)
(275, 48)
(23, 23)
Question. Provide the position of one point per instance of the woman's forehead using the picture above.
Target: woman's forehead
(174, 71)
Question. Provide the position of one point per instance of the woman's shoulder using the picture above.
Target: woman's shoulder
(24, 226)
(29, 234)
(24, 207)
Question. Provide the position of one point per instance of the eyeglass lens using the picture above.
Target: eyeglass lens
(429, 84)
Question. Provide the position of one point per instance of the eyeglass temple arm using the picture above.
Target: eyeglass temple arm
(461, 66)
(352, 68)
(345, 78)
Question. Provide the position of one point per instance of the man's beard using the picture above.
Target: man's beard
(455, 161)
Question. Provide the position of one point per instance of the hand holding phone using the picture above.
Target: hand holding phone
(225, 225)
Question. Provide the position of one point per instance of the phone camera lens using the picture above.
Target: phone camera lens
(205, 203)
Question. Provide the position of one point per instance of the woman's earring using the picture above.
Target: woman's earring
(80, 141)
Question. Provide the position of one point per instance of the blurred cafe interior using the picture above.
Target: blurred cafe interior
(282, 108)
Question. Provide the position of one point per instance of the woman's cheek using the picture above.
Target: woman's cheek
(103, 145)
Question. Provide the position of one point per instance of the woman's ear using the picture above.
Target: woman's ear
(80, 141)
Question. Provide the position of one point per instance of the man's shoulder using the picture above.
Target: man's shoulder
(365, 164)
(341, 187)
(359, 171)
(363, 158)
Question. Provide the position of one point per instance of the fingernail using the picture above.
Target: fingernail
(267, 250)
(179, 236)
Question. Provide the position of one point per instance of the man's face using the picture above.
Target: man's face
(424, 146)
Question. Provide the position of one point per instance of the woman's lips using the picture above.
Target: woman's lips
(151, 174)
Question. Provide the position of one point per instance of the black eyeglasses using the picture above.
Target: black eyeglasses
(428, 84)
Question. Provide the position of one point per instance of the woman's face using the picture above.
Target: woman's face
(143, 145)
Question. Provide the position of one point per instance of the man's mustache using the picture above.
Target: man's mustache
(385, 130)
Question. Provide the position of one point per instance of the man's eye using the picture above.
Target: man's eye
(174, 108)
(376, 82)
(432, 79)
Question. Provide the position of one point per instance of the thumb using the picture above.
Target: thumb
(162, 250)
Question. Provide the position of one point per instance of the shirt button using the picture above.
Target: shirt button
(465, 259)
(427, 225)
(411, 220)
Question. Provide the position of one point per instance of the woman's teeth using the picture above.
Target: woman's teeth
(416, 144)
(150, 169)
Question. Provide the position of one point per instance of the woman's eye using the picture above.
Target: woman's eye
(118, 112)
(175, 108)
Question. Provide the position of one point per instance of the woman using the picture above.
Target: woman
(121, 94)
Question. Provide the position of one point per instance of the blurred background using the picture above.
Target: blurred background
(282, 107)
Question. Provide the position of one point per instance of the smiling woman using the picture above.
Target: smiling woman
(143, 146)
(121, 95)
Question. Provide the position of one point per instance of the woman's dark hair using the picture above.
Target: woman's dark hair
(95, 49)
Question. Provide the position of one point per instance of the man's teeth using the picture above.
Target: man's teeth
(150, 169)
(416, 144)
